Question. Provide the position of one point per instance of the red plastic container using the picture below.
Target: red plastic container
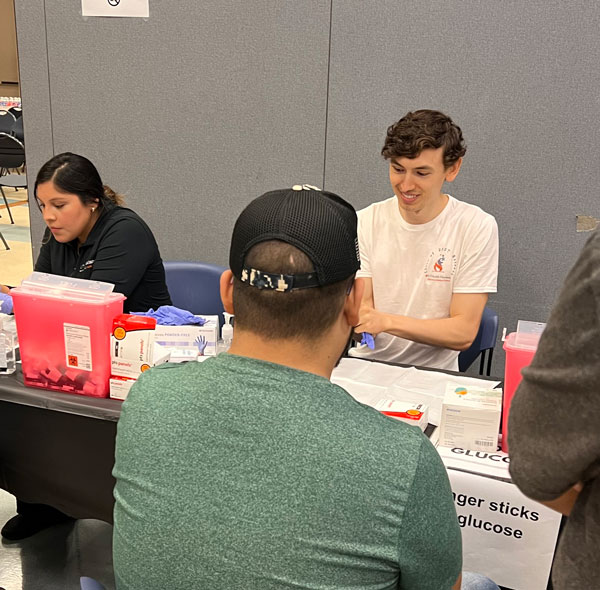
(520, 350)
(64, 328)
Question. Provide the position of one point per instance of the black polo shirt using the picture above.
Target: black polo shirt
(120, 250)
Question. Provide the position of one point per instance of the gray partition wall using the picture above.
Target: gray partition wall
(522, 81)
(190, 113)
(196, 110)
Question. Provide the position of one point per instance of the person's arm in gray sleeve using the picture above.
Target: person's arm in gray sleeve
(553, 423)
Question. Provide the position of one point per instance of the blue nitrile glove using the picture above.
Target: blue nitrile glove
(169, 315)
(6, 303)
(368, 340)
(201, 343)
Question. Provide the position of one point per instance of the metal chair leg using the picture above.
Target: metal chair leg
(489, 363)
(6, 203)
(4, 241)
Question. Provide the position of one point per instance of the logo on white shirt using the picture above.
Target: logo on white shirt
(441, 265)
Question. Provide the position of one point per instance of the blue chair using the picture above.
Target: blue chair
(90, 584)
(195, 286)
(484, 343)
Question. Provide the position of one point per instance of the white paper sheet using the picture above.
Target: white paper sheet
(519, 560)
(368, 382)
(122, 8)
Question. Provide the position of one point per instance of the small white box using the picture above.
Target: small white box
(202, 338)
(132, 369)
(133, 337)
(413, 414)
(119, 387)
(470, 418)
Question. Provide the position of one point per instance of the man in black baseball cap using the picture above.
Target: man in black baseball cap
(293, 257)
(251, 469)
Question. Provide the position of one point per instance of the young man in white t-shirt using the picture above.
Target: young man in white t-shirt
(429, 260)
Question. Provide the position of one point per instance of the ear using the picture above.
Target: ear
(226, 288)
(453, 171)
(353, 301)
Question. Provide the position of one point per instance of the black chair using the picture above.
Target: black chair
(16, 112)
(7, 120)
(484, 343)
(17, 129)
(12, 155)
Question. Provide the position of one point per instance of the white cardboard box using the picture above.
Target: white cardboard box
(119, 387)
(413, 414)
(470, 418)
(132, 369)
(191, 336)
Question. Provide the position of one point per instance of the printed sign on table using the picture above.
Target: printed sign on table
(122, 8)
(506, 536)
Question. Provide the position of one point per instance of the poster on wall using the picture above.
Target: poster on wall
(122, 8)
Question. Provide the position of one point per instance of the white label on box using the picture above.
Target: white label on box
(470, 418)
(78, 347)
(119, 388)
(134, 345)
(203, 338)
(131, 369)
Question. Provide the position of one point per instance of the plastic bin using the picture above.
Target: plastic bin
(64, 327)
(520, 349)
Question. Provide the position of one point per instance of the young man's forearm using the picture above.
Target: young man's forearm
(453, 333)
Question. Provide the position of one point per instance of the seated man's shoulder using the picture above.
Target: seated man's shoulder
(378, 208)
(469, 212)
(395, 439)
(164, 381)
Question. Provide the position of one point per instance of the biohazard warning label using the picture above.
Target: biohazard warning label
(78, 347)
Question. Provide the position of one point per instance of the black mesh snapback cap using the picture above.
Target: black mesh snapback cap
(319, 223)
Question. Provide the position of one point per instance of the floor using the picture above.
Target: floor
(16, 263)
(55, 558)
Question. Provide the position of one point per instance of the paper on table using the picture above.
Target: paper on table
(361, 392)
(368, 372)
(369, 382)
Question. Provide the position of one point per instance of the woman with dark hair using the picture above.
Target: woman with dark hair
(92, 236)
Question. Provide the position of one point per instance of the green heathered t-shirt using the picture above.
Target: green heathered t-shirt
(238, 473)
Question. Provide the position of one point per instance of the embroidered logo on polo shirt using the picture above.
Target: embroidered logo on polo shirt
(86, 265)
(441, 265)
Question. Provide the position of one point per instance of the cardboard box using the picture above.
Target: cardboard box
(132, 369)
(202, 338)
(413, 414)
(133, 338)
(470, 418)
(119, 387)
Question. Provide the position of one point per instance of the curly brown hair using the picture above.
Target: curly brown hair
(421, 130)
